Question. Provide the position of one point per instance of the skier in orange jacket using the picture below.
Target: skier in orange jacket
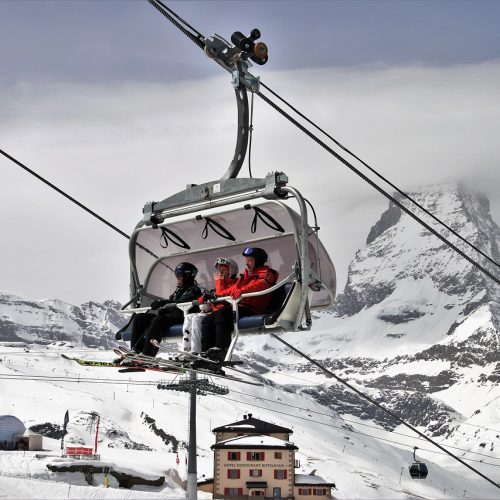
(217, 327)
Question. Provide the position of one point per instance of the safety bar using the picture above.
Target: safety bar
(184, 305)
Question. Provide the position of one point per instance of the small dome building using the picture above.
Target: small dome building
(10, 430)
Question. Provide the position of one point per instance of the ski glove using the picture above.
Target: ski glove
(209, 296)
(156, 304)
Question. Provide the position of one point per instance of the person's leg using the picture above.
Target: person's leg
(187, 332)
(140, 324)
(157, 330)
(208, 331)
(196, 332)
(223, 327)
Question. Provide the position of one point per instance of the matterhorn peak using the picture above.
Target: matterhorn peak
(406, 271)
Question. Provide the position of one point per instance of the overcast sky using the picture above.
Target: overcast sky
(113, 104)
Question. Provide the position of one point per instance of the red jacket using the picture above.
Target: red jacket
(259, 279)
(227, 283)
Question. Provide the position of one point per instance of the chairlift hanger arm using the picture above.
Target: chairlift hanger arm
(233, 57)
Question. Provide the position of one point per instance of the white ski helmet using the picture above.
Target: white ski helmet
(233, 266)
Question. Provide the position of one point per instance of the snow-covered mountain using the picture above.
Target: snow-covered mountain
(49, 320)
(416, 328)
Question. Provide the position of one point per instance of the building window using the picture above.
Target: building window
(304, 491)
(280, 473)
(278, 454)
(233, 455)
(233, 492)
(233, 473)
(257, 494)
(255, 472)
(319, 492)
(255, 455)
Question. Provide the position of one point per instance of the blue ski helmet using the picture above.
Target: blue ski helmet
(258, 254)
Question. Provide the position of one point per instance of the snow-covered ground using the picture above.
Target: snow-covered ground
(364, 462)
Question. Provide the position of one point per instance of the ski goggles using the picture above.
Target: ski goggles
(222, 260)
(248, 252)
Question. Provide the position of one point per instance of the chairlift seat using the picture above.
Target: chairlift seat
(256, 321)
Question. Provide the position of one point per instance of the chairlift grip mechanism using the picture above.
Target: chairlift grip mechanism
(213, 194)
(234, 58)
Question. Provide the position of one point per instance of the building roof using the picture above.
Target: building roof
(254, 442)
(252, 425)
(208, 480)
(311, 480)
(29, 432)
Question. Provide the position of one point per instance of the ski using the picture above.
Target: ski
(178, 355)
(145, 362)
(190, 357)
(136, 367)
(90, 362)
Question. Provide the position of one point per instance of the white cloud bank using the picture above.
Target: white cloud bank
(116, 147)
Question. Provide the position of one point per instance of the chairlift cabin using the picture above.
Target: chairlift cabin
(223, 217)
(220, 219)
(418, 470)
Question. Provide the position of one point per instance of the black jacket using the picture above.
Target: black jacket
(187, 294)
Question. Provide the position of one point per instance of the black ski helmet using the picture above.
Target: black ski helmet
(258, 254)
(186, 270)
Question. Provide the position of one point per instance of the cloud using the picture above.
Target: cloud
(115, 147)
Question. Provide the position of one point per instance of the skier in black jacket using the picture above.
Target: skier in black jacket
(148, 326)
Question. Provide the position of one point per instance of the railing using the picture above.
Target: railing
(82, 456)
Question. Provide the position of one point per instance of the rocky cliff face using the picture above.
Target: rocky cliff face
(46, 321)
(399, 250)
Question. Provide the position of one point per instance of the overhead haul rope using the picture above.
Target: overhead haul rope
(66, 195)
(108, 381)
(378, 428)
(378, 188)
(75, 201)
(87, 351)
(380, 176)
(378, 438)
(175, 19)
(383, 408)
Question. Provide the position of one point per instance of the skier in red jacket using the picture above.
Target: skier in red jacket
(217, 327)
